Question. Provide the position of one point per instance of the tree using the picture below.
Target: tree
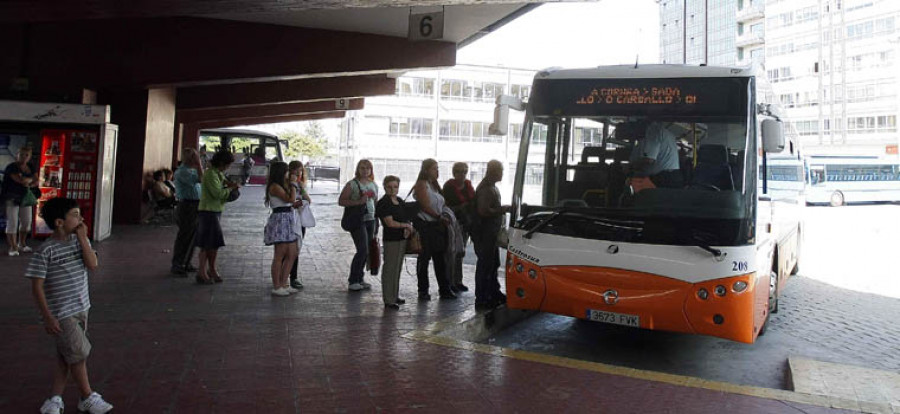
(311, 142)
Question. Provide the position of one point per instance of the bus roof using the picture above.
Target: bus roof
(646, 71)
(226, 131)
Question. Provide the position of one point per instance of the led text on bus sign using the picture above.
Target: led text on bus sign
(639, 96)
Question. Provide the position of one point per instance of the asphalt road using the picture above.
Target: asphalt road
(841, 308)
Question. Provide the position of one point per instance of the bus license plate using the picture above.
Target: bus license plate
(614, 318)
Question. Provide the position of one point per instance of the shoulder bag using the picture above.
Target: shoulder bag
(28, 199)
(353, 215)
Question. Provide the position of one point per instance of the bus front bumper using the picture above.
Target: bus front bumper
(721, 307)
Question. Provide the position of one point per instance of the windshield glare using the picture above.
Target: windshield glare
(634, 167)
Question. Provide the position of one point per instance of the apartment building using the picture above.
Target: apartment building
(440, 114)
(833, 65)
(697, 32)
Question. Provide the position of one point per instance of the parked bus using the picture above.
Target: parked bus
(838, 180)
(709, 257)
(263, 148)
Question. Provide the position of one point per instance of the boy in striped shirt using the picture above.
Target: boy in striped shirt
(59, 282)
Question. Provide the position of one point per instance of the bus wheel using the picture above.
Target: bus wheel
(837, 199)
(773, 292)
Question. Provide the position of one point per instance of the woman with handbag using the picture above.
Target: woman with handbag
(280, 227)
(18, 195)
(215, 191)
(358, 199)
(298, 181)
(397, 229)
(427, 193)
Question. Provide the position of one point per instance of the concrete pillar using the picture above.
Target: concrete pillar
(146, 120)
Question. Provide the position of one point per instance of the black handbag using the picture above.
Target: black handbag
(353, 216)
(233, 195)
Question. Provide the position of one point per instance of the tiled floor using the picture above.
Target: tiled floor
(167, 345)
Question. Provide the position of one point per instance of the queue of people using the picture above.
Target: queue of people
(441, 220)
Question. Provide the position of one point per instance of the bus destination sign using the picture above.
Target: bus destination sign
(701, 97)
(663, 95)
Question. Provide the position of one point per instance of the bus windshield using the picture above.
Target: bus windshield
(660, 174)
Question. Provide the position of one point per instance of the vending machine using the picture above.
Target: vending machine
(75, 153)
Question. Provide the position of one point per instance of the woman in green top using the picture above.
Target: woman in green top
(214, 191)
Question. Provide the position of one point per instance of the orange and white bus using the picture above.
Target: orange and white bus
(707, 256)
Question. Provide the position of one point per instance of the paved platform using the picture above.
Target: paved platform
(166, 345)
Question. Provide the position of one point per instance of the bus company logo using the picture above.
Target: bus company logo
(612, 249)
(611, 297)
(516, 251)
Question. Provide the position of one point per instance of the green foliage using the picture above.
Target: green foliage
(311, 142)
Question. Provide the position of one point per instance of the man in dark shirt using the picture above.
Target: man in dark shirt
(484, 236)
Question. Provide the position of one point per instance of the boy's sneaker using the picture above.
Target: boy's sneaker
(94, 404)
(280, 292)
(13, 253)
(53, 405)
(356, 287)
(26, 249)
(296, 284)
(291, 290)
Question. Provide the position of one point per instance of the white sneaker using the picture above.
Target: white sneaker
(13, 253)
(94, 404)
(356, 287)
(280, 292)
(26, 249)
(365, 285)
(53, 405)
(290, 290)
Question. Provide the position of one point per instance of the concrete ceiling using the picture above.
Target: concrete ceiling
(460, 22)
(464, 20)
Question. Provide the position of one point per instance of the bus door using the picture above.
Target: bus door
(254, 146)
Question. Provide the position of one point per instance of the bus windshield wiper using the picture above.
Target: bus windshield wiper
(718, 254)
(586, 216)
(543, 223)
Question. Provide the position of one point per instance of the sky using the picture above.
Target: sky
(570, 35)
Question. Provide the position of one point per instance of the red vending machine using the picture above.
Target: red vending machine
(68, 168)
(75, 149)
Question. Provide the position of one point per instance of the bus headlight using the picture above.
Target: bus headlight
(519, 267)
(532, 273)
(739, 286)
(702, 294)
(720, 290)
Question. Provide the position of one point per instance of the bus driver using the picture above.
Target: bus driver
(654, 160)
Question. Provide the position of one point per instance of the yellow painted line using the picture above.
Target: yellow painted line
(430, 334)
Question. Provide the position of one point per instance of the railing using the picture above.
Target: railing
(750, 13)
(317, 172)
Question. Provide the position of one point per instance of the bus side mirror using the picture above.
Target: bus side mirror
(501, 113)
(772, 136)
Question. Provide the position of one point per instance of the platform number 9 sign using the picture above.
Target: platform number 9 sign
(426, 26)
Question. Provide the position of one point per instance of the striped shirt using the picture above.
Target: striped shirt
(61, 265)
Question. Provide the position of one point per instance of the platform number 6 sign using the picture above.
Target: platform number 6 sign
(426, 26)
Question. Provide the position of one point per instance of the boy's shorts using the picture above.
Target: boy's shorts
(72, 343)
